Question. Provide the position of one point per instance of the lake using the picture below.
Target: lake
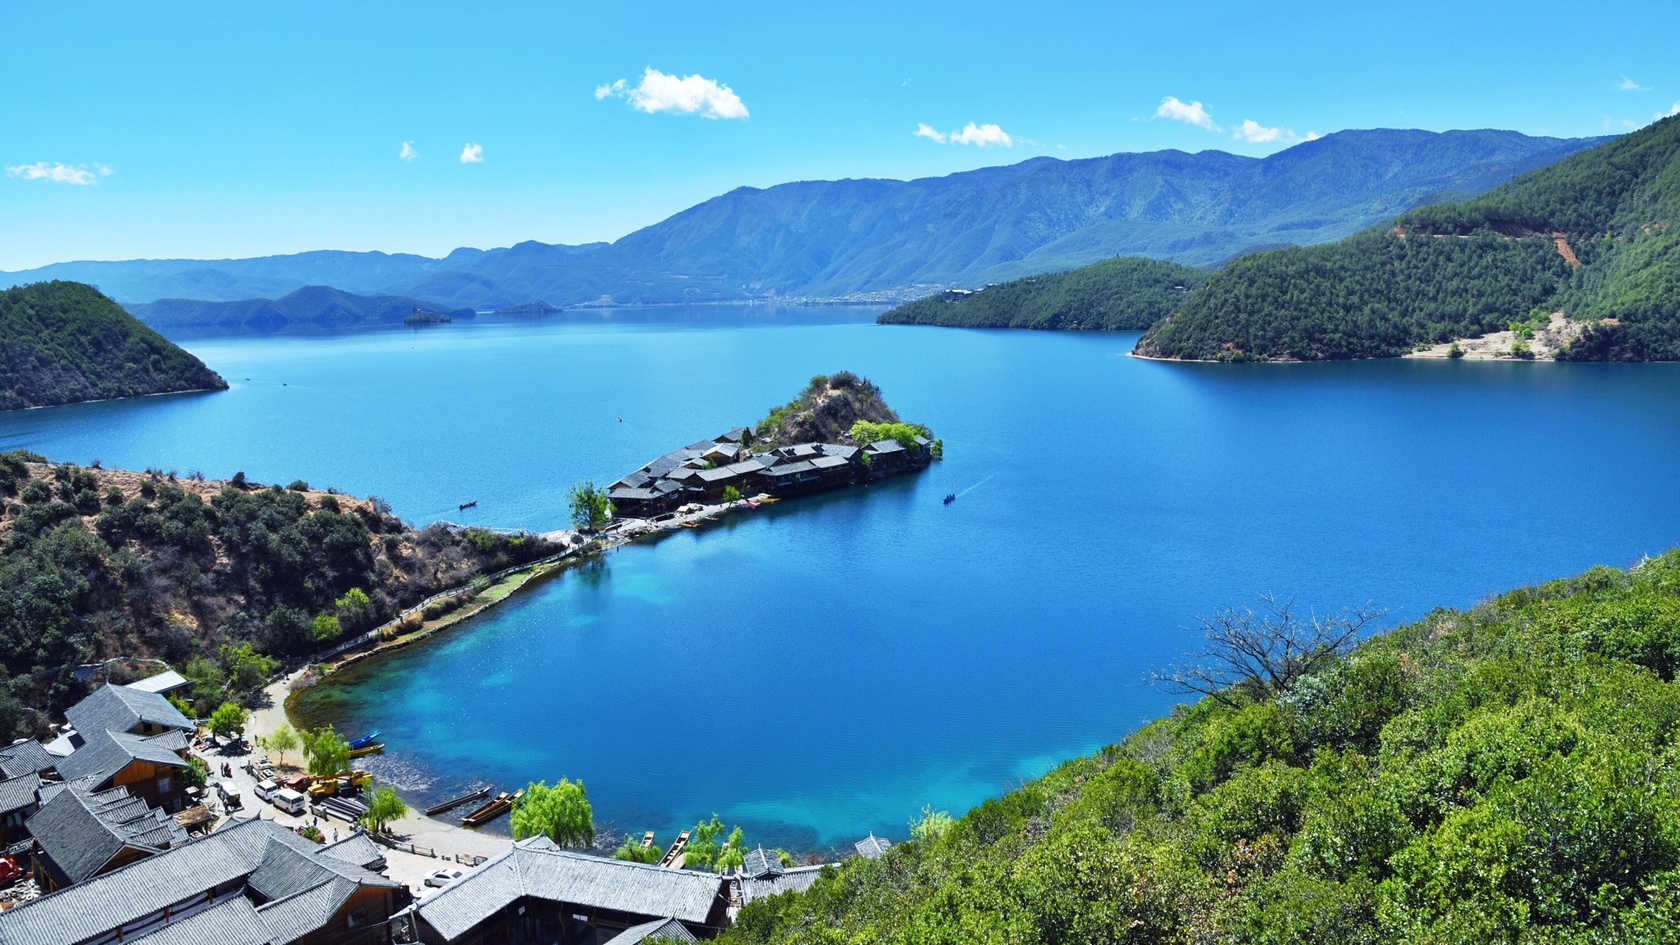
(825, 667)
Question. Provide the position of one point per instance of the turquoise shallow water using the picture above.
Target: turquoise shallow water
(825, 667)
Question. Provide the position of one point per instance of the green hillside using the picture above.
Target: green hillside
(1509, 773)
(64, 342)
(1121, 293)
(1460, 270)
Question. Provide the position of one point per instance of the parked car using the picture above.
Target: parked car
(290, 801)
(265, 790)
(443, 877)
(229, 793)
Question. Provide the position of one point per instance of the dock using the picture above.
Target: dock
(493, 808)
(455, 802)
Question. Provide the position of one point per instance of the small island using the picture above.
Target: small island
(420, 318)
(838, 432)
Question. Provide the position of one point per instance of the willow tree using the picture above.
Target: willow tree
(560, 813)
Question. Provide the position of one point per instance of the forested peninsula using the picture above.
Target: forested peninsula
(220, 578)
(1115, 294)
(64, 342)
(1507, 773)
(1595, 237)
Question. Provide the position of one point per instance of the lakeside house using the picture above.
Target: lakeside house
(704, 471)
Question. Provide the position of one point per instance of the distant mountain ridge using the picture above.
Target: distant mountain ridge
(850, 238)
(63, 342)
(311, 305)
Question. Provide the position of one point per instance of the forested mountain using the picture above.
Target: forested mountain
(832, 239)
(310, 305)
(1124, 293)
(63, 342)
(100, 563)
(1504, 774)
(1596, 236)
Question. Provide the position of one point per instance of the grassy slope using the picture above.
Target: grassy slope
(1503, 774)
(1115, 294)
(64, 342)
(1460, 270)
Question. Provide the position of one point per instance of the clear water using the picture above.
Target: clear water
(825, 667)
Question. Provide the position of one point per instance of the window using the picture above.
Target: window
(163, 785)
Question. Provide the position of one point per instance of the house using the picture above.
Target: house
(252, 882)
(17, 802)
(872, 847)
(80, 833)
(150, 767)
(537, 892)
(124, 709)
(25, 756)
(659, 930)
(763, 875)
(162, 684)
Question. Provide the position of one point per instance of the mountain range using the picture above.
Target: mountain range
(315, 305)
(906, 239)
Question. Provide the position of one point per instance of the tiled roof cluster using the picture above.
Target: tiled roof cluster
(81, 830)
(104, 753)
(121, 709)
(25, 756)
(301, 889)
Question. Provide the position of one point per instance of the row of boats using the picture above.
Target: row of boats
(482, 814)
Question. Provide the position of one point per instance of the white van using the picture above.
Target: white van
(290, 801)
(229, 793)
(266, 789)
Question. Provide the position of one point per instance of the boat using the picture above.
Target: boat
(691, 524)
(752, 504)
(455, 802)
(367, 749)
(950, 498)
(493, 808)
(468, 505)
(647, 839)
(367, 739)
(674, 856)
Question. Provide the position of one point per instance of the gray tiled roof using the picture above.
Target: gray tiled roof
(759, 863)
(104, 753)
(76, 838)
(25, 757)
(162, 682)
(557, 876)
(872, 846)
(669, 930)
(357, 849)
(124, 895)
(295, 916)
(796, 879)
(119, 708)
(19, 792)
(828, 462)
(885, 446)
(231, 922)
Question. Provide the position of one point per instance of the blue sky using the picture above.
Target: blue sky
(217, 130)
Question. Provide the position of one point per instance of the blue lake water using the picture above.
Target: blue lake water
(825, 667)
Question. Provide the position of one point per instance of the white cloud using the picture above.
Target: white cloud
(1673, 110)
(1194, 113)
(977, 135)
(928, 132)
(60, 173)
(472, 154)
(1311, 136)
(408, 153)
(1628, 85)
(982, 136)
(685, 95)
(1251, 130)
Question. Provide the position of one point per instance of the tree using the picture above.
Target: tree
(561, 813)
(734, 852)
(931, 825)
(228, 720)
(1261, 654)
(384, 806)
(704, 852)
(590, 506)
(197, 773)
(354, 609)
(328, 753)
(633, 852)
(731, 494)
(281, 740)
(327, 628)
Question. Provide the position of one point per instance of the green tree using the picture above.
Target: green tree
(731, 494)
(632, 851)
(384, 806)
(704, 851)
(561, 813)
(327, 628)
(931, 825)
(734, 852)
(590, 506)
(197, 773)
(228, 721)
(280, 741)
(355, 610)
(328, 753)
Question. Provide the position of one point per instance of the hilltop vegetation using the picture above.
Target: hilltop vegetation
(99, 563)
(1595, 236)
(825, 411)
(1115, 294)
(847, 238)
(1502, 774)
(314, 305)
(63, 342)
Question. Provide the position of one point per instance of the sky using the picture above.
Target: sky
(221, 130)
